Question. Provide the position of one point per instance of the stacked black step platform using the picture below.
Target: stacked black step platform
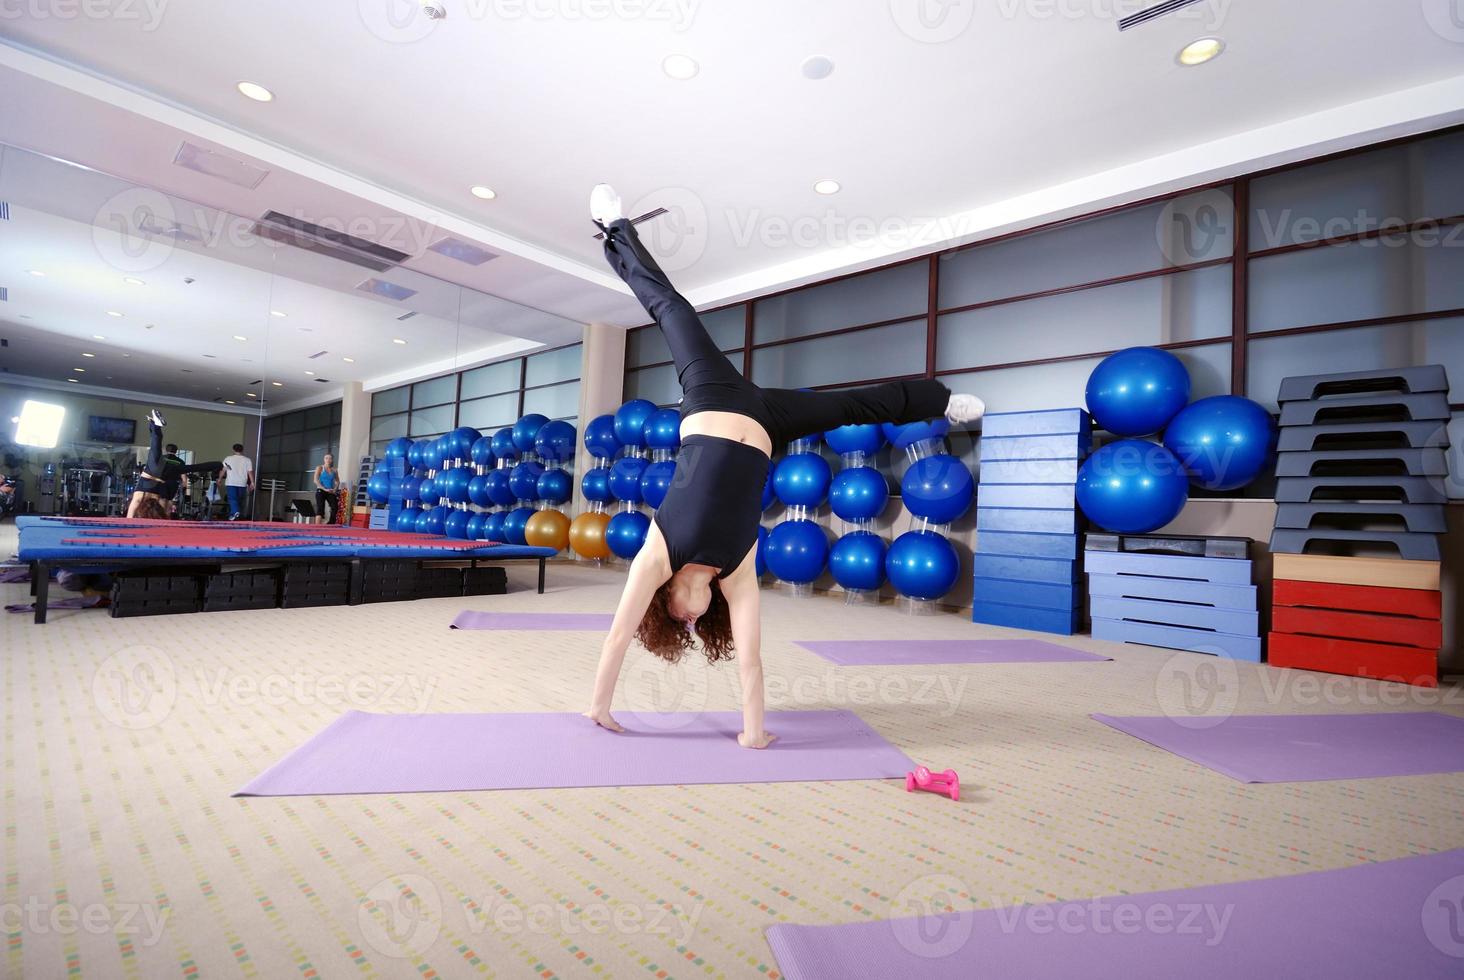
(485, 580)
(254, 588)
(315, 584)
(155, 592)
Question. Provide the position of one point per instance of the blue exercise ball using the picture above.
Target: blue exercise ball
(555, 441)
(595, 485)
(796, 551)
(857, 561)
(656, 481)
(414, 455)
(435, 453)
(523, 479)
(922, 565)
(436, 520)
(768, 495)
(630, 421)
(378, 487)
(424, 520)
(760, 559)
(482, 452)
(1135, 392)
(526, 430)
(626, 533)
(406, 519)
(600, 441)
(514, 523)
(859, 493)
(937, 488)
(397, 448)
(453, 484)
(427, 492)
(1223, 442)
(456, 525)
(905, 436)
(475, 527)
(460, 442)
(1132, 486)
(554, 486)
(625, 478)
(502, 444)
(411, 487)
(663, 429)
(478, 491)
(802, 479)
(493, 527)
(855, 439)
(499, 490)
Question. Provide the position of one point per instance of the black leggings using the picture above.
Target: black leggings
(325, 504)
(160, 476)
(710, 383)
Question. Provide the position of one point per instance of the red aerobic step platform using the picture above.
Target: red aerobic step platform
(1419, 603)
(1381, 661)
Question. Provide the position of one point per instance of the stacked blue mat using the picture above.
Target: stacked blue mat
(1028, 564)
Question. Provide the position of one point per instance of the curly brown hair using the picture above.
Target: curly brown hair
(668, 638)
(151, 509)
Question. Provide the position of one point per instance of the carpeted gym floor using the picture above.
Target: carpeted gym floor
(124, 854)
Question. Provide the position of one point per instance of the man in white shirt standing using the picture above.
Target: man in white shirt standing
(238, 480)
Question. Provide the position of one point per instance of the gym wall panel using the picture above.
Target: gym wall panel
(556, 402)
(657, 384)
(727, 328)
(552, 366)
(491, 413)
(1167, 309)
(892, 351)
(431, 421)
(391, 400)
(885, 294)
(491, 379)
(437, 391)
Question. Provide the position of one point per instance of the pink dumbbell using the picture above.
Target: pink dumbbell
(946, 783)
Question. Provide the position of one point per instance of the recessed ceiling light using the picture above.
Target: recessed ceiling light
(85, 354)
(278, 314)
(309, 374)
(817, 67)
(126, 355)
(1200, 51)
(79, 370)
(680, 66)
(97, 336)
(251, 394)
(133, 281)
(228, 401)
(486, 193)
(398, 340)
(73, 381)
(278, 384)
(349, 360)
(38, 273)
(113, 313)
(255, 91)
(237, 337)
(826, 186)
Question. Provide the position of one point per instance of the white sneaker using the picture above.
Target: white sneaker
(156, 418)
(964, 408)
(605, 204)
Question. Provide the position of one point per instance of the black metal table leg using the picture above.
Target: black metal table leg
(41, 587)
(541, 575)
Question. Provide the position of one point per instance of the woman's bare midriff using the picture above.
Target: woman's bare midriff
(728, 425)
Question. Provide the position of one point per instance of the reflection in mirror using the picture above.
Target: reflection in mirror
(121, 300)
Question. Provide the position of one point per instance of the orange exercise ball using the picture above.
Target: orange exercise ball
(547, 529)
(587, 535)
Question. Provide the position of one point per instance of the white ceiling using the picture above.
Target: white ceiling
(944, 122)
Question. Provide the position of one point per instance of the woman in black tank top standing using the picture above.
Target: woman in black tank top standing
(696, 573)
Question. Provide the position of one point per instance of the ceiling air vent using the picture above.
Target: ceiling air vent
(386, 290)
(319, 353)
(240, 173)
(635, 221)
(4, 210)
(4, 294)
(456, 248)
(407, 316)
(324, 381)
(1153, 13)
(337, 244)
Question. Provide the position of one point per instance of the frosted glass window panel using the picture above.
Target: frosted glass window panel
(1355, 194)
(556, 402)
(1356, 281)
(1168, 309)
(294, 422)
(1272, 360)
(1194, 228)
(491, 379)
(882, 352)
(656, 384)
(317, 417)
(872, 297)
(1456, 457)
(291, 442)
(1064, 385)
(431, 421)
(489, 414)
(554, 365)
(438, 391)
(392, 400)
(727, 328)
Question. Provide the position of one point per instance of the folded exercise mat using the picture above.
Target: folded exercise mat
(875, 653)
(75, 602)
(1303, 748)
(432, 753)
(470, 620)
(1391, 919)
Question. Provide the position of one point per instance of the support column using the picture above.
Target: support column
(602, 387)
(355, 437)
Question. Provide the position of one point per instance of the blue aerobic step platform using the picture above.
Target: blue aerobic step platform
(1028, 569)
(1175, 598)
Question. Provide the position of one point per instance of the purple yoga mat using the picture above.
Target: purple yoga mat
(74, 602)
(1393, 919)
(372, 753)
(872, 653)
(595, 622)
(1299, 748)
